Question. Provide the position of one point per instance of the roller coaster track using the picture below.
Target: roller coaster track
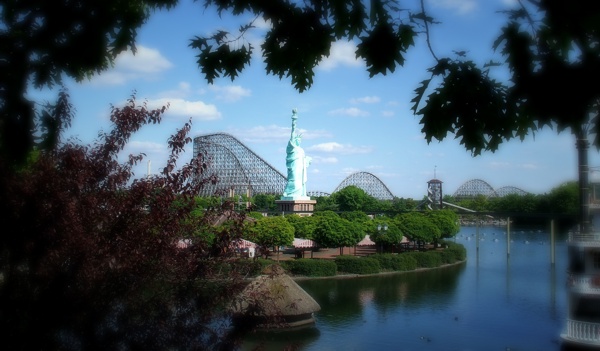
(240, 171)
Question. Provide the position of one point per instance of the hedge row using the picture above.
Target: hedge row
(376, 263)
(392, 262)
(310, 267)
(426, 259)
(458, 250)
(357, 265)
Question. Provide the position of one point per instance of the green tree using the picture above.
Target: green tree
(478, 203)
(446, 221)
(272, 232)
(402, 204)
(255, 215)
(563, 199)
(360, 218)
(325, 203)
(417, 226)
(264, 202)
(384, 206)
(203, 203)
(327, 213)
(304, 226)
(385, 233)
(515, 203)
(333, 231)
(353, 198)
(449, 199)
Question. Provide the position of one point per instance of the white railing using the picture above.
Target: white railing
(590, 239)
(582, 332)
(585, 284)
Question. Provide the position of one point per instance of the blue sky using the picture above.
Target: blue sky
(350, 122)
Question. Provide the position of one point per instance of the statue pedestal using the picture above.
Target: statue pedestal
(298, 206)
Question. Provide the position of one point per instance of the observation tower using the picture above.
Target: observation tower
(434, 194)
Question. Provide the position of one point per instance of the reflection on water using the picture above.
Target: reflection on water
(492, 301)
(294, 339)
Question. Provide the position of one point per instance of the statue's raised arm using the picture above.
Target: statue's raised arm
(294, 119)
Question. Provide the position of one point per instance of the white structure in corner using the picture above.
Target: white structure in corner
(583, 319)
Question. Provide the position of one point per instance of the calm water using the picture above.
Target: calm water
(490, 302)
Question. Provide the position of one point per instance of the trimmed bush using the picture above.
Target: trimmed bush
(458, 250)
(311, 267)
(386, 261)
(395, 262)
(429, 259)
(357, 265)
(446, 256)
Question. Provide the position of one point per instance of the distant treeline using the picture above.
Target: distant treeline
(561, 203)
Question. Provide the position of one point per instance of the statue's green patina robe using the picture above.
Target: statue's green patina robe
(297, 163)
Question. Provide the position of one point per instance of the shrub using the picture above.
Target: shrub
(426, 259)
(458, 250)
(311, 267)
(446, 256)
(386, 261)
(395, 262)
(357, 265)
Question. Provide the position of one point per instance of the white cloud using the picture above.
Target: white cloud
(145, 60)
(387, 113)
(342, 53)
(146, 64)
(352, 112)
(337, 148)
(183, 90)
(460, 6)
(230, 93)
(197, 110)
(366, 100)
(327, 160)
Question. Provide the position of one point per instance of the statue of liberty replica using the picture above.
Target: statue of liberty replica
(297, 163)
(294, 198)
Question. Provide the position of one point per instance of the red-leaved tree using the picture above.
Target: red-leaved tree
(89, 256)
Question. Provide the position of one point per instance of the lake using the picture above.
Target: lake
(493, 301)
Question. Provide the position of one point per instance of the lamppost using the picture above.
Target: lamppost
(379, 228)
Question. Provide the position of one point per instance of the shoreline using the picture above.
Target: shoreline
(352, 275)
